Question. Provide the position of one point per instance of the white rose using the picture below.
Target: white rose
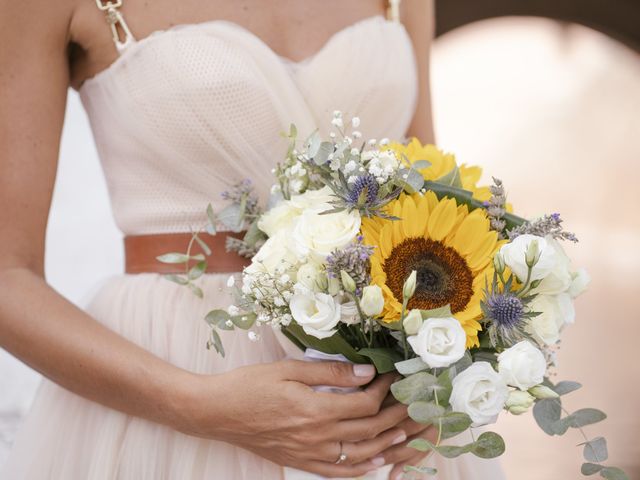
(480, 392)
(313, 199)
(580, 280)
(439, 342)
(277, 255)
(317, 313)
(558, 279)
(372, 301)
(514, 255)
(555, 312)
(522, 366)
(412, 322)
(318, 235)
(281, 217)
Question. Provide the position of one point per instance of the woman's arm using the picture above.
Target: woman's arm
(291, 424)
(418, 17)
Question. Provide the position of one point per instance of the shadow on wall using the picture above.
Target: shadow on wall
(552, 110)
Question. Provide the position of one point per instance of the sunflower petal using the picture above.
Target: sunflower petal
(442, 219)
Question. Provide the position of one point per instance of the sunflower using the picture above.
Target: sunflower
(441, 164)
(451, 249)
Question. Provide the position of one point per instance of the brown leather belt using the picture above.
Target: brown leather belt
(141, 252)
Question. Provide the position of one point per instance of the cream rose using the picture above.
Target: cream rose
(372, 301)
(276, 256)
(318, 235)
(317, 313)
(308, 275)
(480, 392)
(555, 312)
(439, 342)
(522, 365)
(514, 255)
(281, 217)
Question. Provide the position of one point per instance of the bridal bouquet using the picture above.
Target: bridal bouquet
(390, 253)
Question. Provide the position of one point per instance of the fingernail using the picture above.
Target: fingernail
(377, 461)
(400, 438)
(400, 476)
(364, 370)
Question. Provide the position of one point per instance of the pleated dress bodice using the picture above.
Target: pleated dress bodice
(185, 113)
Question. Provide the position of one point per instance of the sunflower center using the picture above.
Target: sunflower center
(443, 277)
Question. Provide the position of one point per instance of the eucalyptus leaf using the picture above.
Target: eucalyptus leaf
(232, 217)
(211, 215)
(441, 312)
(218, 319)
(253, 235)
(420, 444)
(177, 279)
(173, 258)
(564, 387)
(590, 468)
(450, 451)
(613, 473)
(412, 180)
(205, 248)
(322, 156)
(461, 365)
(425, 412)
(547, 413)
(197, 291)
(414, 388)
(411, 366)
(488, 445)
(197, 270)
(454, 423)
(421, 470)
(244, 321)
(444, 387)
(596, 450)
(583, 417)
(313, 144)
(217, 342)
(384, 359)
(420, 164)
(452, 178)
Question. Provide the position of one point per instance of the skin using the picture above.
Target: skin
(62, 43)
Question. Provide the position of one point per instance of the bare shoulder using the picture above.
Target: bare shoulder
(24, 20)
(419, 18)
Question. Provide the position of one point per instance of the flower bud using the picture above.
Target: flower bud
(533, 254)
(412, 322)
(333, 286)
(372, 301)
(519, 402)
(536, 283)
(498, 263)
(321, 281)
(541, 391)
(347, 282)
(410, 285)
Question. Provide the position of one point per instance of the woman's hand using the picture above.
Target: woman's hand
(272, 410)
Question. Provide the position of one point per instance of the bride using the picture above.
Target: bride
(185, 99)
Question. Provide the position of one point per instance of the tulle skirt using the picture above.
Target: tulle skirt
(66, 437)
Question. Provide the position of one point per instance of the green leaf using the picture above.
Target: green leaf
(547, 413)
(488, 445)
(205, 248)
(411, 366)
(421, 470)
(452, 178)
(232, 217)
(325, 149)
(197, 291)
(454, 423)
(177, 279)
(253, 235)
(425, 412)
(197, 270)
(461, 365)
(590, 468)
(441, 312)
(216, 341)
(218, 319)
(581, 418)
(450, 451)
(613, 473)
(384, 359)
(414, 388)
(413, 182)
(244, 321)
(333, 344)
(420, 164)
(173, 258)
(596, 450)
(444, 387)
(564, 387)
(420, 444)
(313, 144)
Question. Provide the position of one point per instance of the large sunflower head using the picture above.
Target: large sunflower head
(451, 250)
(441, 164)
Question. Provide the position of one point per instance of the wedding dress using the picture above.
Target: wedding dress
(178, 118)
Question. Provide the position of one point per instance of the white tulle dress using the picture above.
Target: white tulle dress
(179, 117)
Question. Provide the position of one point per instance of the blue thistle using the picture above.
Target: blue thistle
(504, 309)
(364, 192)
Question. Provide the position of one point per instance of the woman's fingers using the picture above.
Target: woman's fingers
(370, 427)
(336, 374)
(330, 470)
(412, 427)
(400, 454)
(358, 452)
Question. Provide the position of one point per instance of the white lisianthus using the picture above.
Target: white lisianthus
(308, 275)
(412, 322)
(480, 392)
(555, 312)
(348, 311)
(580, 280)
(514, 254)
(372, 301)
(439, 342)
(317, 313)
(313, 199)
(519, 402)
(558, 279)
(522, 365)
(276, 256)
(318, 235)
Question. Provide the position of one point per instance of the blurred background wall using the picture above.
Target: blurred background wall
(551, 108)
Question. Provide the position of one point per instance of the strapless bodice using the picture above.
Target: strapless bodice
(187, 112)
